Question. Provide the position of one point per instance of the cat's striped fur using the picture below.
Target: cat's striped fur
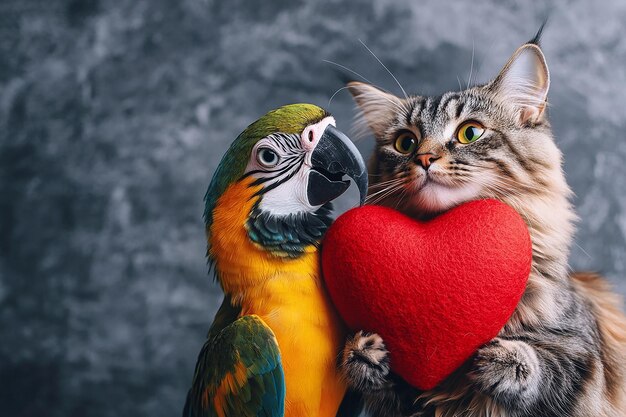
(563, 352)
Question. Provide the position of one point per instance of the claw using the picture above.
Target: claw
(365, 361)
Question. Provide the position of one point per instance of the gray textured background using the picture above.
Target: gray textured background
(113, 115)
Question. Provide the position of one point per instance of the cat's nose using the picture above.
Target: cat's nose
(426, 159)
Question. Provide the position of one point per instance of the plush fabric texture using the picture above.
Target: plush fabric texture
(436, 290)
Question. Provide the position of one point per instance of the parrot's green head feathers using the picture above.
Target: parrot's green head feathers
(297, 159)
(290, 119)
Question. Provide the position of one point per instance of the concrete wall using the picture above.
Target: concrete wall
(114, 114)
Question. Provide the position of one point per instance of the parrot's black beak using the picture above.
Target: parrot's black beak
(335, 156)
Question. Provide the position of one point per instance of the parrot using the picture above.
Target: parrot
(272, 348)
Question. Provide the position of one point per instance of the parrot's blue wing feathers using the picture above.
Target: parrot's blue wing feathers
(239, 373)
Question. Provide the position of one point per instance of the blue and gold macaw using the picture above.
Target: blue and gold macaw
(274, 342)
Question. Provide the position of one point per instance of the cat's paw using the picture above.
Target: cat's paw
(365, 362)
(507, 370)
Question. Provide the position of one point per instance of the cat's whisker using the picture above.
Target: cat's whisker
(347, 69)
(469, 79)
(583, 250)
(387, 187)
(383, 65)
(479, 67)
(384, 182)
(380, 192)
(387, 182)
(401, 198)
(377, 187)
(381, 198)
(335, 93)
(384, 194)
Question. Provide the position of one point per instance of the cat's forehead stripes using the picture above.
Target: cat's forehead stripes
(415, 105)
(431, 114)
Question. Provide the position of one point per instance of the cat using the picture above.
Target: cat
(563, 351)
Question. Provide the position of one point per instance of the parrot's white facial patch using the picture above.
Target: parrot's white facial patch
(283, 162)
(289, 197)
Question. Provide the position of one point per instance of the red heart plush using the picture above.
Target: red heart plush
(435, 291)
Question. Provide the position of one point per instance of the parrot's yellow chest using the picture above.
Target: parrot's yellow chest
(289, 296)
(309, 339)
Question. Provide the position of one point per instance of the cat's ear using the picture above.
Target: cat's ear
(378, 108)
(524, 82)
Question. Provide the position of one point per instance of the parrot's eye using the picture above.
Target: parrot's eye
(267, 157)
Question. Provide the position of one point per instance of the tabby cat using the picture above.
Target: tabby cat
(563, 352)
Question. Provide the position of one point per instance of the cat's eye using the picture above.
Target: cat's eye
(470, 132)
(405, 143)
(267, 157)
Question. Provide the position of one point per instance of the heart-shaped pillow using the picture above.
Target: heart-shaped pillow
(435, 291)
